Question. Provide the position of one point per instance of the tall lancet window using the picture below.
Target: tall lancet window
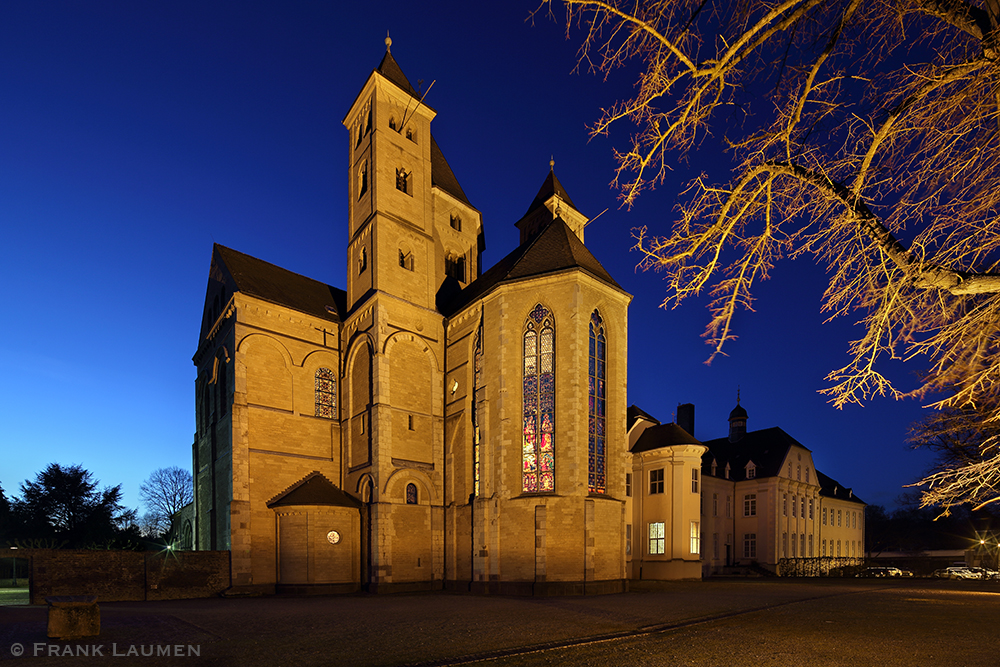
(538, 453)
(326, 393)
(478, 396)
(598, 363)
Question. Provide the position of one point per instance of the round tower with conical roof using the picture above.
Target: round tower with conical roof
(737, 421)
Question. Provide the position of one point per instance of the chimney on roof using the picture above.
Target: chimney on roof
(685, 417)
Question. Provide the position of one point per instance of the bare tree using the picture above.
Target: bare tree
(866, 135)
(164, 494)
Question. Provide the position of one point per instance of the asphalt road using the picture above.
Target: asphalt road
(915, 623)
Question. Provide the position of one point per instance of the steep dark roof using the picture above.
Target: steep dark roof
(313, 489)
(767, 448)
(390, 69)
(633, 414)
(550, 186)
(266, 281)
(555, 248)
(662, 435)
(831, 488)
(442, 175)
(738, 413)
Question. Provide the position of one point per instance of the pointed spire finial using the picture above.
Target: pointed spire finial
(552, 163)
(388, 42)
(737, 394)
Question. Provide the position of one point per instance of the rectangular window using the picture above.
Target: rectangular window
(802, 508)
(628, 539)
(824, 516)
(715, 504)
(729, 507)
(854, 520)
(793, 546)
(840, 514)
(694, 480)
(793, 505)
(810, 509)
(656, 481)
(751, 472)
(784, 505)
(750, 545)
(656, 541)
(750, 504)
(628, 485)
(810, 546)
(824, 548)
(802, 545)
(838, 548)
(695, 537)
(784, 545)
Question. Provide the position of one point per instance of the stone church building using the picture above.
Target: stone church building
(438, 424)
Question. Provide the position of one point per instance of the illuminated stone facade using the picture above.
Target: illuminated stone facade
(433, 425)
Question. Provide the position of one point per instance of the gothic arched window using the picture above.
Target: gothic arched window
(411, 494)
(597, 398)
(326, 393)
(538, 453)
(477, 403)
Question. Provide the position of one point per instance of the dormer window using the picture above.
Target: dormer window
(714, 466)
(727, 471)
(456, 223)
(402, 181)
(751, 470)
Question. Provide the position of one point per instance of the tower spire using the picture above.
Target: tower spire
(388, 42)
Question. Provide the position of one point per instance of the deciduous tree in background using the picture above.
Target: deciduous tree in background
(165, 492)
(865, 135)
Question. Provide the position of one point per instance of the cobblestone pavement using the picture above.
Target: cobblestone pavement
(444, 629)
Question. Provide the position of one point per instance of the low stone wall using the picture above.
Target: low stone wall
(126, 575)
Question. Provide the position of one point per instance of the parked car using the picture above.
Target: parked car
(956, 573)
(880, 572)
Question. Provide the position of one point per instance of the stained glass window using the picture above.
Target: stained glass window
(478, 396)
(537, 446)
(326, 393)
(597, 402)
(411, 494)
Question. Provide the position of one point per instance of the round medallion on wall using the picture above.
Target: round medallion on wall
(333, 537)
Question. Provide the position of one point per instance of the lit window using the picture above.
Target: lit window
(596, 405)
(750, 545)
(326, 393)
(538, 391)
(478, 399)
(750, 504)
(656, 539)
(656, 481)
(695, 535)
(411, 494)
(694, 480)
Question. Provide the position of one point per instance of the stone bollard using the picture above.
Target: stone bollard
(73, 616)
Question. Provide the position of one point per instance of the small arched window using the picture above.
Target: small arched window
(362, 260)
(410, 135)
(392, 122)
(363, 179)
(538, 446)
(326, 393)
(411, 494)
(406, 259)
(402, 181)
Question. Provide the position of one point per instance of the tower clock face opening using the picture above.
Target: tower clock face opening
(333, 537)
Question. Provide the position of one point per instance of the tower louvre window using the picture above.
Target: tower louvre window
(456, 222)
(406, 260)
(403, 181)
(454, 267)
(363, 179)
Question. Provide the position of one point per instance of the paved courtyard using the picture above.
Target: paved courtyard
(731, 622)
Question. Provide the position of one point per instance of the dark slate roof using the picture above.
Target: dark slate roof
(633, 414)
(390, 69)
(442, 175)
(662, 435)
(555, 248)
(313, 489)
(831, 488)
(266, 281)
(767, 448)
(550, 186)
(738, 413)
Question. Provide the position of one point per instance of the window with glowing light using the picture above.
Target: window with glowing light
(597, 401)
(656, 538)
(538, 461)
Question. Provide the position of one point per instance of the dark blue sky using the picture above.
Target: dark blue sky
(133, 135)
